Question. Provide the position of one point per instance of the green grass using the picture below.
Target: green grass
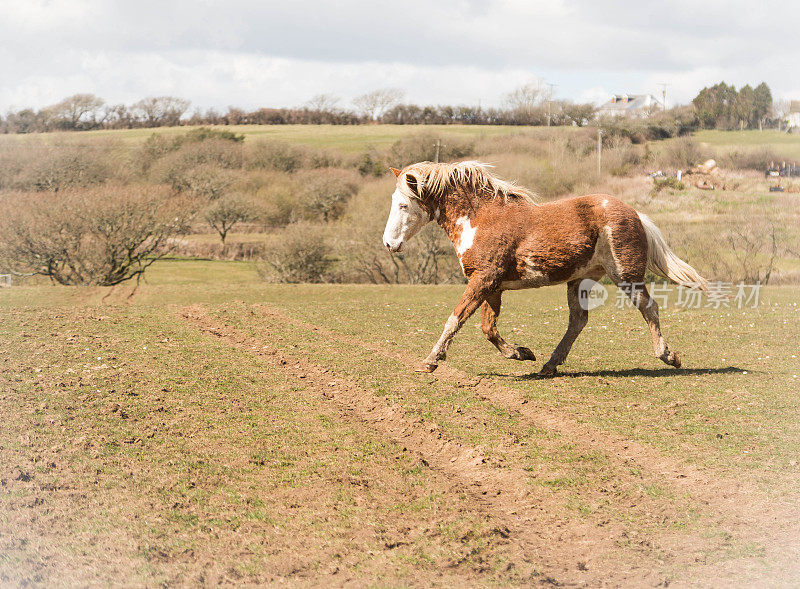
(787, 144)
(346, 138)
(214, 447)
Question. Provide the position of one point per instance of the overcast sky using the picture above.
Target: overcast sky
(252, 53)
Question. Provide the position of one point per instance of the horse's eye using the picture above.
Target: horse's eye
(403, 207)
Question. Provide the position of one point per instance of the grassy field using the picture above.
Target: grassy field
(357, 138)
(346, 138)
(213, 428)
(787, 144)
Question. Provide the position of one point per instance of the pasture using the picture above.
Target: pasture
(345, 138)
(356, 138)
(786, 144)
(212, 428)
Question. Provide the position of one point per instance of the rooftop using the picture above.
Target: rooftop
(630, 102)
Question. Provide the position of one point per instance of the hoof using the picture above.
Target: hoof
(524, 353)
(427, 368)
(671, 359)
(548, 370)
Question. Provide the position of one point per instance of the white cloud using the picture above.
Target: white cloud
(267, 53)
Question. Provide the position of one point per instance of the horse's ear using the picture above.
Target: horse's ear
(411, 182)
(395, 171)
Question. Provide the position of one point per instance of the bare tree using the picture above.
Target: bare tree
(373, 104)
(76, 111)
(117, 116)
(161, 110)
(780, 110)
(323, 102)
(526, 98)
(226, 212)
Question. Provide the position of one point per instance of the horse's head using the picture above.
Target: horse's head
(407, 215)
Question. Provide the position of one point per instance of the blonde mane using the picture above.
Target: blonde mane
(440, 179)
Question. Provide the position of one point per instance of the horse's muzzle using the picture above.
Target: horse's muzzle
(394, 247)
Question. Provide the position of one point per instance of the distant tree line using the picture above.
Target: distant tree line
(723, 107)
(87, 111)
(82, 112)
(720, 106)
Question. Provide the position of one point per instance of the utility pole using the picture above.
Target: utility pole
(550, 102)
(438, 147)
(599, 150)
(663, 95)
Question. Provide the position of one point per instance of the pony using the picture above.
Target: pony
(506, 240)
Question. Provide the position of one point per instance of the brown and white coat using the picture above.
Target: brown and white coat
(505, 240)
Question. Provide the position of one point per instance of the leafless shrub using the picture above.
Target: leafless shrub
(280, 206)
(531, 143)
(323, 158)
(232, 250)
(274, 195)
(153, 149)
(206, 182)
(620, 157)
(744, 248)
(753, 159)
(682, 153)
(428, 259)
(275, 155)
(323, 194)
(300, 253)
(284, 157)
(560, 173)
(198, 146)
(202, 168)
(216, 153)
(42, 167)
(100, 236)
(220, 152)
(422, 147)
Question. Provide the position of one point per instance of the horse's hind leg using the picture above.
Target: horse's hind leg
(578, 317)
(649, 310)
(491, 311)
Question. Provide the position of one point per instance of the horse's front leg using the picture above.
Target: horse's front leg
(478, 289)
(491, 311)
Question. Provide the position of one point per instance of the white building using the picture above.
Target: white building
(793, 118)
(629, 105)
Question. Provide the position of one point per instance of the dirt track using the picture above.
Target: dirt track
(532, 525)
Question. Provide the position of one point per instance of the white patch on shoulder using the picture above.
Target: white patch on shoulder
(605, 202)
(467, 236)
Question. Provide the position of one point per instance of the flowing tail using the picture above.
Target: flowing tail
(664, 262)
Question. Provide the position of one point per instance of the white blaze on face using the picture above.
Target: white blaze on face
(467, 236)
(406, 218)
